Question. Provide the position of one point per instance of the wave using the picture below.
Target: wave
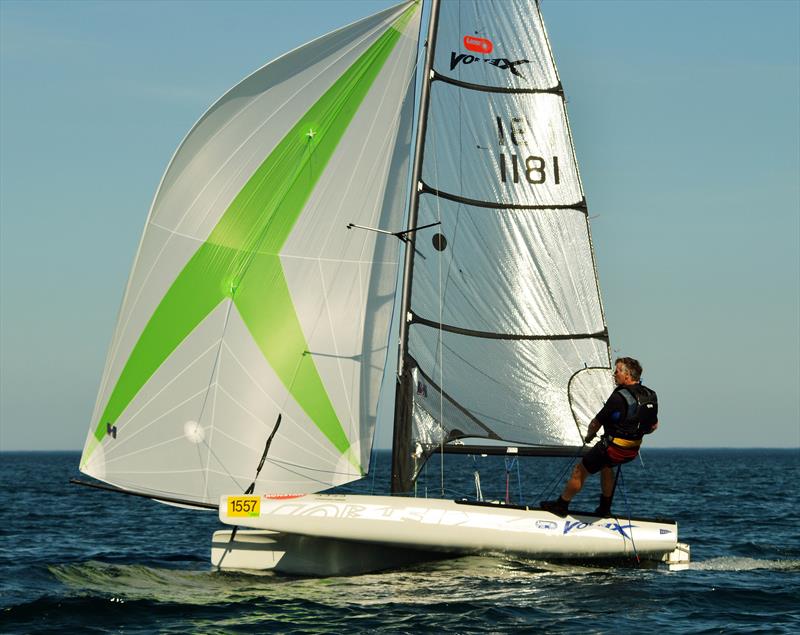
(468, 579)
(738, 563)
(133, 582)
(439, 596)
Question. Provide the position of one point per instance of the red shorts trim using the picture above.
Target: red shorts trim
(606, 455)
(621, 455)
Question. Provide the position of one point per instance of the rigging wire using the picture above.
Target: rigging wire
(508, 472)
(628, 506)
(211, 383)
(509, 465)
(548, 489)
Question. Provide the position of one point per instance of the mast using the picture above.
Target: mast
(401, 439)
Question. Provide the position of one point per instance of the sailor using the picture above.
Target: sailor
(630, 412)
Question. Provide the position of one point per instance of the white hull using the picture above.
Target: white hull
(264, 550)
(321, 534)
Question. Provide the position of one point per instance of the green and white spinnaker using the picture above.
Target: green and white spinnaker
(249, 298)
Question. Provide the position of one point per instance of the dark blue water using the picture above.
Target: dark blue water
(79, 560)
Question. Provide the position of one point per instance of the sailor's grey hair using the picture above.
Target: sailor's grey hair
(633, 367)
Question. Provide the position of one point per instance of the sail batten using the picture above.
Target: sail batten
(579, 206)
(556, 90)
(416, 319)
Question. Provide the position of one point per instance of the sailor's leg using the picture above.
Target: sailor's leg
(607, 481)
(590, 464)
(575, 482)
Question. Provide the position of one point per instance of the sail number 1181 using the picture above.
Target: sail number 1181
(531, 169)
(519, 168)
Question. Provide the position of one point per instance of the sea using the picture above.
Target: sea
(78, 560)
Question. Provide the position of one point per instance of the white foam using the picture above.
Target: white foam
(735, 563)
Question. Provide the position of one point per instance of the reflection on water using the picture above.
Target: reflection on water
(467, 579)
(462, 579)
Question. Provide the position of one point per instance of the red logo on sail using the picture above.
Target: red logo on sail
(478, 44)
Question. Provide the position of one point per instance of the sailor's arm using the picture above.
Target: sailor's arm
(653, 429)
(591, 432)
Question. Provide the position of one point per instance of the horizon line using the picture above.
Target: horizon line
(672, 447)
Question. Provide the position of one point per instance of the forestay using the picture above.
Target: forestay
(507, 338)
(249, 298)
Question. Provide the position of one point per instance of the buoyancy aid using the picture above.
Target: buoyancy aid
(640, 416)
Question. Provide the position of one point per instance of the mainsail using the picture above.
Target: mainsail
(505, 336)
(249, 300)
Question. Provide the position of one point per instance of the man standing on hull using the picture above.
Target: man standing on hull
(630, 412)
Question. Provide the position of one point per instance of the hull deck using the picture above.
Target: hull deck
(320, 534)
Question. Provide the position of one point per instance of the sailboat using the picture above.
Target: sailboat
(334, 188)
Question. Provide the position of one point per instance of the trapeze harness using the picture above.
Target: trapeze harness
(624, 437)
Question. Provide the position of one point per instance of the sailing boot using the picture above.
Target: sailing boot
(558, 507)
(604, 508)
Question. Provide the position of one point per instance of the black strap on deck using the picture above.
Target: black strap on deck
(252, 485)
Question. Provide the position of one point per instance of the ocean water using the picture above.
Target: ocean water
(76, 560)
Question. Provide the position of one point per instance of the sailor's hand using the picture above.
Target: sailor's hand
(590, 437)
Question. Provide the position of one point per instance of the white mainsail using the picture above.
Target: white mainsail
(507, 338)
(249, 299)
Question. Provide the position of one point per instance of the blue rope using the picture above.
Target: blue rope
(510, 464)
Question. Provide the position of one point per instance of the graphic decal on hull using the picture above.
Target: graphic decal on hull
(613, 526)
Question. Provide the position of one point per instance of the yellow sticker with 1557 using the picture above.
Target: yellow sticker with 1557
(244, 505)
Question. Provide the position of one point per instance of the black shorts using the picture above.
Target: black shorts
(598, 457)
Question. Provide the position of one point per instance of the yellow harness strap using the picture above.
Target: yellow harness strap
(625, 443)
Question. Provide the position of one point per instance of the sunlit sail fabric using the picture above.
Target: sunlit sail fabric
(507, 339)
(249, 298)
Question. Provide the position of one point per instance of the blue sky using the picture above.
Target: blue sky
(686, 118)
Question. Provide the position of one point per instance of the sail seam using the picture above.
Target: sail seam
(416, 319)
(294, 422)
(124, 438)
(286, 439)
(427, 189)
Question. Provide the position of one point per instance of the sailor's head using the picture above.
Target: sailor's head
(627, 371)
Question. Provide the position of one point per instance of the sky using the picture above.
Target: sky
(686, 121)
